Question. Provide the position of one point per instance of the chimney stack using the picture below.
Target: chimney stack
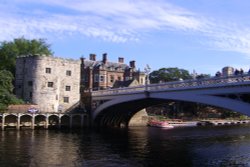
(82, 60)
(120, 59)
(132, 64)
(104, 58)
(92, 57)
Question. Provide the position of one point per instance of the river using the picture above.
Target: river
(133, 147)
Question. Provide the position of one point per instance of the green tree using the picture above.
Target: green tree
(9, 51)
(168, 74)
(6, 88)
(203, 76)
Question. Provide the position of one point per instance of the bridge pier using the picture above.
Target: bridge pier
(139, 119)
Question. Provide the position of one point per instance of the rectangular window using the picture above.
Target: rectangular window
(102, 78)
(50, 84)
(127, 78)
(141, 80)
(86, 78)
(112, 78)
(68, 73)
(48, 70)
(67, 88)
(119, 78)
(30, 83)
(96, 78)
(66, 99)
(31, 95)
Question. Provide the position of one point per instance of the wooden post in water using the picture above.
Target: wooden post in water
(3, 121)
(59, 121)
(33, 121)
(18, 122)
(47, 122)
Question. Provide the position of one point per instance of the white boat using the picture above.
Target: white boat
(182, 124)
(160, 124)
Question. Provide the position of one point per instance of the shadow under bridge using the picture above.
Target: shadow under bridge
(129, 112)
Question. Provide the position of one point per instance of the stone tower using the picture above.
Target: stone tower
(51, 83)
(227, 71)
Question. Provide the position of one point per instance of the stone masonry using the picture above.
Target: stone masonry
(51, 83)
(54, 84)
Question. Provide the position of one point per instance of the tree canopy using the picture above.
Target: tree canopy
(168, 74)
(6, 88)
(9, 51)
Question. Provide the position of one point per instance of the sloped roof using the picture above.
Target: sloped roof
(119, 84)
(90, 63)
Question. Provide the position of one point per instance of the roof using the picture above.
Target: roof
(94, 64)
(119, 84)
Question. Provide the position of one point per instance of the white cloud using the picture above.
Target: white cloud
(229, 37)
(116, 21)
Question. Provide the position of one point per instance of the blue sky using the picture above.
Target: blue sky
(200, 35)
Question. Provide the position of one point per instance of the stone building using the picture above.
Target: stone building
(227, 71)
(54, 83)
(103, 74)
(51, 83)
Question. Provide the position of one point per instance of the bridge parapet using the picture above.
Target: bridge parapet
(178, 85)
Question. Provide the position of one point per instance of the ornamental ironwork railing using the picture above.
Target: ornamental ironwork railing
(233, 80)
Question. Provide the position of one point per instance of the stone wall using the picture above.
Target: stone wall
(51, 83)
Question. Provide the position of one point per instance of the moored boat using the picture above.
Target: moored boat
(183, 124)
(160, 124)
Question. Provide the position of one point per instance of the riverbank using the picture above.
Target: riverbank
(202, 122)
(222, 122)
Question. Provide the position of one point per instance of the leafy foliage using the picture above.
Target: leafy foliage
(9, 51)
(20, 46)
(6, 78)
(203, 76)
(6, 88)
(169, 74)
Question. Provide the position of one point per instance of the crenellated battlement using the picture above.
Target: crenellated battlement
(48, 57)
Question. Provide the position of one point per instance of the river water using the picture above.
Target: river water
(133, 147)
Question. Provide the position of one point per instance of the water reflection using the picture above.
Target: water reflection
(135, 147)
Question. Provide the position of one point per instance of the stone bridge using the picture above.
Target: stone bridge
(42, 120)
(117, 107)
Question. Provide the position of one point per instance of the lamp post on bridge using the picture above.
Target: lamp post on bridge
(147, 70)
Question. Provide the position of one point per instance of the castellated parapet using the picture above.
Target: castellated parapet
(51, 83)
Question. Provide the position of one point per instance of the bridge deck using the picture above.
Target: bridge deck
(234, 80)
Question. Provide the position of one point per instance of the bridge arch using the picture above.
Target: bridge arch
(120, 110)
(214, 91)
(25, 120)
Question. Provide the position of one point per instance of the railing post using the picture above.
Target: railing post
(147, 71)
